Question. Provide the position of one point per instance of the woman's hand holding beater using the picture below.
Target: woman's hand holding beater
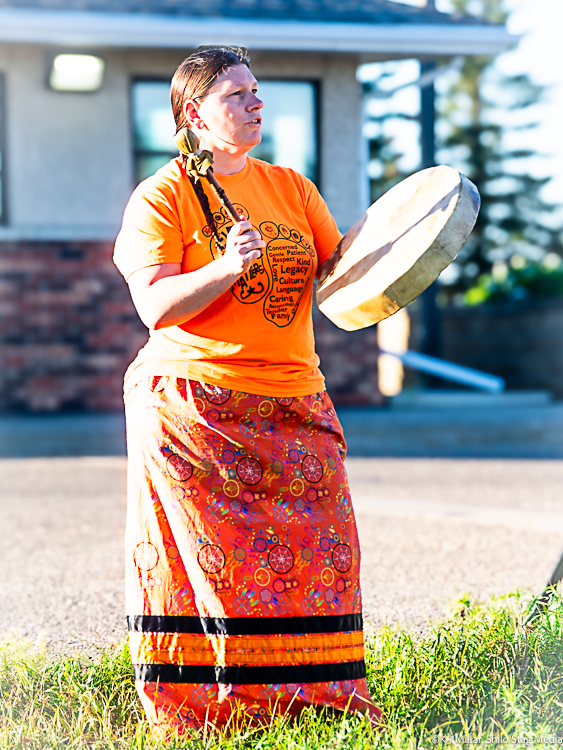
(244, 246)
(164, 296)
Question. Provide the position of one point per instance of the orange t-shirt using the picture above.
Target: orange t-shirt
(258, 336)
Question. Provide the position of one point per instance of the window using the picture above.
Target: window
(2, 155)
(289, 128)
(153, 127)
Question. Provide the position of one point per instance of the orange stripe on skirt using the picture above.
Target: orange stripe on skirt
(242, 555)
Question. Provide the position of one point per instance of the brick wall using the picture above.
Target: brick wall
(520, 342)
(68, 331)
(68, 328)
(348, 362)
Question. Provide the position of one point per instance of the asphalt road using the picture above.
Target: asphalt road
(431, 530)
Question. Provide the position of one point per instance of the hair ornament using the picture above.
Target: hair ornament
(196, 161)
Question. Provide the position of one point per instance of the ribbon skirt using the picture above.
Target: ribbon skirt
(242, 555)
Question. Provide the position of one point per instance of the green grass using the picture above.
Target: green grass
(479, 674)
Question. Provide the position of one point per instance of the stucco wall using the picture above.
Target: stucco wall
(69, 156)
(68, 162)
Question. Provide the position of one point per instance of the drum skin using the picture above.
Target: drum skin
(398, 247)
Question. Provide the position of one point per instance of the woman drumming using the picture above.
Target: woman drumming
(242, 552)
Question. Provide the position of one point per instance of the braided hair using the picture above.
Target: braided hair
(193, 80)
(206, 208)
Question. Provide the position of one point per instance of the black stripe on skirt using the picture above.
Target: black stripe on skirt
(245, 625)
(267, 675)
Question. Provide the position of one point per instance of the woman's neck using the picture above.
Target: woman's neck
(226, 163)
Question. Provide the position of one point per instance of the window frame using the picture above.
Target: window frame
(3, 153)
(316, 86)
(137, 152)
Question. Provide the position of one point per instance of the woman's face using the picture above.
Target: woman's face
(228, 119)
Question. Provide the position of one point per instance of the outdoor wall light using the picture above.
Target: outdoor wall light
(76, 73)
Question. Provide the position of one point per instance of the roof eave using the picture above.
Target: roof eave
(93, 29)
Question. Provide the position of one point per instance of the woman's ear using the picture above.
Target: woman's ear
(190, 109)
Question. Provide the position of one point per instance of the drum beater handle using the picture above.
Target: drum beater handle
(198, 164)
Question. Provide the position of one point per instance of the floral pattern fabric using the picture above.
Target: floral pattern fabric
(242, 555)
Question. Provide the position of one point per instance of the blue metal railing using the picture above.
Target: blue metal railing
(449, 371)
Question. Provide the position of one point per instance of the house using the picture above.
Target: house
(69, 156)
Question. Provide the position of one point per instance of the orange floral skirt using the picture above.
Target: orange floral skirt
(242, 556)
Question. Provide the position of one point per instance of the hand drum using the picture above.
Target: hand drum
(398, 247)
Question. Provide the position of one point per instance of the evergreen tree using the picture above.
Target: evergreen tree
(386, 161)
(479, 111)
(478, 115)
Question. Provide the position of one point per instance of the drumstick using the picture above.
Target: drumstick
(198, 164)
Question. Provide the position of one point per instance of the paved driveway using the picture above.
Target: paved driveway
(431, 529)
